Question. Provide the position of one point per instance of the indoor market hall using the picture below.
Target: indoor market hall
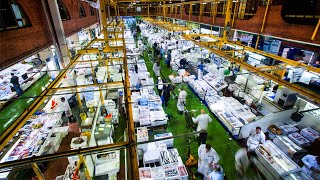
(159, 90)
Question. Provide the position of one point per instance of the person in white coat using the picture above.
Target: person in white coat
(207, 155)
(256, 137)
(66, 110)
(160, 86)
(311, 166)
(166, 47)
(242, 160)
(156, 69)
(182, 98)
(202, 120)
(216, 174)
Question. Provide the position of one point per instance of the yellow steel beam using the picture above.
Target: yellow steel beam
(315, 30)
(263, 24)
(215, 9)
(83, 161)
(131, 133)
(235, 12)
(78, 97)
(242, 9)
(50, 157)
(148, 1)
(279, 58)
(181, 7)
(103, 19)
(11, 131)
(201, 11)
(96, 50)
(37, 171)
(267, 75)
(176, 11)
(99, 60)
(273, 56)
(164, 8)
(15, 127)
(211, 9)
(110, 39)
(167, 25)
(116, 83)
(18, 123)
(190, 11)
(227, 20)
(204, 35)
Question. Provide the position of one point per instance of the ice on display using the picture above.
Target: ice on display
(275, 157)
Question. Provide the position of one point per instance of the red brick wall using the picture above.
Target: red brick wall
(17, 44)
(274, 26)
(75, 23)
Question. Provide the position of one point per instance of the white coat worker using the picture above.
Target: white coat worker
(166, 47)
(66, 110)
(216, 174)
(207, 155)
(182, 98)
(160, 86)
(256, 137)
(311, 166)
(156, 69)
(202, 120)
(242, 160)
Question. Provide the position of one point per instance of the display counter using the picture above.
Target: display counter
(147, 107)
(36, 137)
(288, 146)
(27, 74)
(275, 164)
(98, 127)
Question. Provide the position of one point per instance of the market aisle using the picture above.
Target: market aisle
(16, 108)
(218, 137)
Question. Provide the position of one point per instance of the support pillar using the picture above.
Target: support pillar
(227, 23)
(103, 18)
(58, 34)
